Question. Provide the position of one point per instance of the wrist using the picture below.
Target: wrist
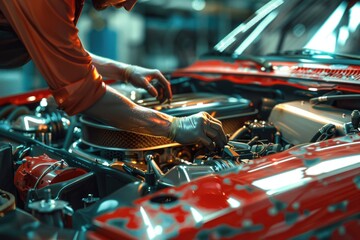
(129, 69)
(173, 127)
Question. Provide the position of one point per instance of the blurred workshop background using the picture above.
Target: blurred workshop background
(162, 34)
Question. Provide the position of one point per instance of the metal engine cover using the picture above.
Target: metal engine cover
(299, 121)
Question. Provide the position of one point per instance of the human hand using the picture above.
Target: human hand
(198, 128)
(151, 80)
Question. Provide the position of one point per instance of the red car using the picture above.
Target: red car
(285, 85)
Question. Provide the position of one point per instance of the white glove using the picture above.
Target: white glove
(198, 128)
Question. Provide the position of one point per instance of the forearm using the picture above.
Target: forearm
(118, 111)
(109, 68)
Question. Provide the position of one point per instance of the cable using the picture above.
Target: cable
(17, 112)
(330, 98)
(325, 132)
(6, 110)
(47, 170)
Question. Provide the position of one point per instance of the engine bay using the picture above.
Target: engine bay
(57, 167)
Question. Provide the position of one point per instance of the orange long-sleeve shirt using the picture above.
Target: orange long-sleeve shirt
(47, 30)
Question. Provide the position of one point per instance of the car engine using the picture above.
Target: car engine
(55, 166)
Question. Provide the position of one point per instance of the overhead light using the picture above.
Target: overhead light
(198, 5)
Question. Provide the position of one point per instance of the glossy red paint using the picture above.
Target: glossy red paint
(277, 197)
(25, 98)
(31, 97)
(41, 171)
(245, 72)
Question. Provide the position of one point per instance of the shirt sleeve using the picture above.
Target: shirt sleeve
(49, 34)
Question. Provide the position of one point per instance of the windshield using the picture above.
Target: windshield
(324, 25)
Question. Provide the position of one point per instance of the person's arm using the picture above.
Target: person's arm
(76, 85)
(109, 68)
(138, 76)
(47, 30)
(118, 111)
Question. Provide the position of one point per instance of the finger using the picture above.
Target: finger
(217, 122)
(216, 132)
(212, 118)
(151, 90)
(215, 136)
(205, 141)
(161, 96)
(221, 136)
(160, 89)
(165, 83)
(145, 82)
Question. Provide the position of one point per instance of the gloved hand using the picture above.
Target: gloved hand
(198, 128)
(151, 80)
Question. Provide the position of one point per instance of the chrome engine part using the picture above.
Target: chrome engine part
(45, 123)
(47, 128)
(298, 121)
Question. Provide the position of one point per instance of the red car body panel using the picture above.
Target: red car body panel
(244, 72)
(321, 188)
(25, 98)
(30, 97)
